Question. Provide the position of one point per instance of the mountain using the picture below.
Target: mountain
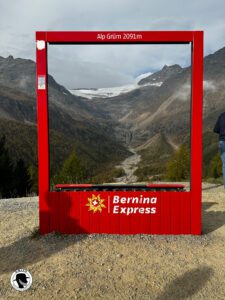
(151, 116)
(153, 108)
(91, 93)
(165, 108)
(74, 124)
(104, 92)
(162, 75)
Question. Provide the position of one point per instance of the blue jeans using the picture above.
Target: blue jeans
(222, 153)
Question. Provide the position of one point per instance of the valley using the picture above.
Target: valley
(134, 128)
(129, 165)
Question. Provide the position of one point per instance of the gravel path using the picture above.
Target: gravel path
(129, 165)
(113, 266)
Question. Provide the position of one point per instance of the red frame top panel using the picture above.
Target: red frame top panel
(116, 36)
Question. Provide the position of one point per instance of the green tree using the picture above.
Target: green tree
(33, 175)
(178, 167)
(71, 171)
(6, 171)
(215, 167)
(14, 180)
(22, 183)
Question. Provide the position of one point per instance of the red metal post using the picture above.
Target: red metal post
(43, 139)
(196, 132)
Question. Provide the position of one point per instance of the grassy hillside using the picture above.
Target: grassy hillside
(96, 156)
(154, 157)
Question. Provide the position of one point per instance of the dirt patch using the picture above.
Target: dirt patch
(113, 266)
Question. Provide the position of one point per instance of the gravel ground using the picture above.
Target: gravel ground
(113, 266)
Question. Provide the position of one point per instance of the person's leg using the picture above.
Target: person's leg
(222, 153)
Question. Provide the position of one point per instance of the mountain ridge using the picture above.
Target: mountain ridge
(113, 124)
(71, 120)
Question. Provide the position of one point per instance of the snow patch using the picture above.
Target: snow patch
(114, 91)
(104, 92)
(142, 76)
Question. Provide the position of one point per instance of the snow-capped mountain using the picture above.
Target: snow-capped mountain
(104, 92)
(114, 91)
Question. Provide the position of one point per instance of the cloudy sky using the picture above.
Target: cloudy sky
(109, 65)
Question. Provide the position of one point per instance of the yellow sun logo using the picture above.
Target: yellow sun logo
(95, 203)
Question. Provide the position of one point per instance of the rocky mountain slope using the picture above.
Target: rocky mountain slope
(165, 108)
(162, 75)
(74, 124)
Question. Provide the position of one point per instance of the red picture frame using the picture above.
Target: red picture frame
(179, 212)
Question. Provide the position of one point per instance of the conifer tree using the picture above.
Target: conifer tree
(14, 181)
(6, 171)
(33, 178)
(71, 171)
(178, 167)
(22, 183)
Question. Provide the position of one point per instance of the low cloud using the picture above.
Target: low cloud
(184, 92)
(209, 85)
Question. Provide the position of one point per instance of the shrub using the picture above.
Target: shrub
(215, 167)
